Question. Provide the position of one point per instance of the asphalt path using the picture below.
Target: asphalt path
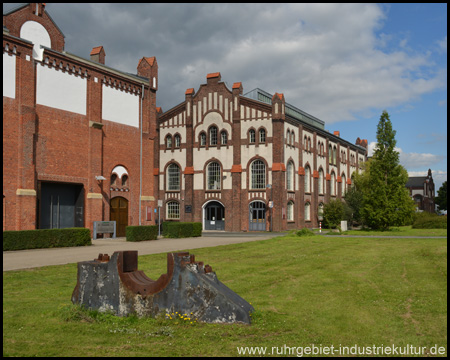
(27, 259)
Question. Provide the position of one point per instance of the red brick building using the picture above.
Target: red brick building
(421, 189)
(225, 158)
(74, 131)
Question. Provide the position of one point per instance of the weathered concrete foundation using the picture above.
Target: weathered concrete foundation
(114, 284)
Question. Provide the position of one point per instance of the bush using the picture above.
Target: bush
(174, 229)
(141, 233)
(305, 232)
(426, 220)
(333, 213)
(45, 238)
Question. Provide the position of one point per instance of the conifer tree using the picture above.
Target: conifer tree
(386, 201)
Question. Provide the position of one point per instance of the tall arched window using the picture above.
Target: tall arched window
(290, 211)
(308, 211)
(169, 142)
(202, 139)
(173, 177)
(252, 136)
(333, 184)
(258, 175)
(214, 176)
(307, 179)
(343, 185)
(334, 155)
(330, 154)
(177, 141)
(262, 136)
(223, 137)
(321, 181)
(213, 136)
(290, 176)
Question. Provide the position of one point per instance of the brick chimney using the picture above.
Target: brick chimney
(98, 55)
(337, 133)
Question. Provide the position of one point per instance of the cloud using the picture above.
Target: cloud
(330, 60)
(411, 160)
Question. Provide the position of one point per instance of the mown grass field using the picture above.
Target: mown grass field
(306, 291)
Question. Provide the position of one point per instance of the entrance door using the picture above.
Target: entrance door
(61, 206)
(119, 214)
(257, 216)
(214, 216)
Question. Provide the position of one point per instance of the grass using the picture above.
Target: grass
(396, 231)
(306, 290)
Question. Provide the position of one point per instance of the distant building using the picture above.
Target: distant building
(248, 162)
(73, 131)
(421, 190)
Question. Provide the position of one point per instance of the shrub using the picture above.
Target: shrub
(45, 238)
(174, 229)
(426, 220)
(141, 233)
(333, 214)
(305, 232)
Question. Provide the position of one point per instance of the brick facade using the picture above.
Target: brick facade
(237, 197)
(48, 145)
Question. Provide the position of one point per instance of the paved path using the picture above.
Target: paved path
(25, 259)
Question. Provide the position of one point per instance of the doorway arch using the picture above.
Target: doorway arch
(214, 216)
(257, 216)
(119, 214)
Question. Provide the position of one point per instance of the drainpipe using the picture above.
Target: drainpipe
(140, 157)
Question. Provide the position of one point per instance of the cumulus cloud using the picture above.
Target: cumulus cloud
(331, 60)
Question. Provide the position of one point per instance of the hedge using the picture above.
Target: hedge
(141, 233)
(426, 220)
(174, 229)
(45, 238)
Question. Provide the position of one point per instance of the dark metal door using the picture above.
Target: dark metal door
(257, 216)
(119, 214)
(214, 216)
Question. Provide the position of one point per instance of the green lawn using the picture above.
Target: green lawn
(321, 291)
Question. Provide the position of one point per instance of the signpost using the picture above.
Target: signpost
(103, 227)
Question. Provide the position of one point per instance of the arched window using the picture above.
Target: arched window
(113, 179)
(213, 136)
(258, 175)
(288, 137)
(290, 176)
(169, 142)
(321, 181)
(292, 138)
(214, 176)
(307, 179)
(290, 211)
(343, 185)
(334, 155)
(333, 184)
(330, 154)
(307, 211)
(124, 180)
(177, 141)
(173, 210)
(252, 136)
(202, 139)
(262, 135)
(173, 177)
(309, 144)
(223, 137)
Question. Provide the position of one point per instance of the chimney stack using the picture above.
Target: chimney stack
(337, 133)
(98, 55)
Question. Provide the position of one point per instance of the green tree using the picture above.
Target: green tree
(441, 199)
(354, 199)
(386, 201)
(334, 212)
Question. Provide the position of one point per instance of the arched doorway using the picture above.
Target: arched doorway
(214, 216)
(119, 214)
(257, 216)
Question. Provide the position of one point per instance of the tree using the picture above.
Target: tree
(441, 199)
(334, 212)
(354, 199)
(386, 201)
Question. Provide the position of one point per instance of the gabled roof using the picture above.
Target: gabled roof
(416, 181)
